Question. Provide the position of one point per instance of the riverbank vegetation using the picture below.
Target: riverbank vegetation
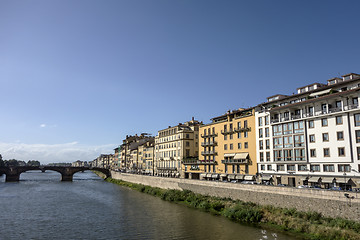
(309, 225)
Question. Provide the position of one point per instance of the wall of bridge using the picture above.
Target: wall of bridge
(329, 203)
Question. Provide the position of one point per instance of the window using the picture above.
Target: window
(231, 136)
(280, 167)
(260, 121)
(312, 138)
(261, 157)
(245, 134)
(187, 136)
(245, 124)
(299, 154)
(269, 168)
(311, 124)
(291, 167)
(239, 145)
(261, 145)
(324, 122)
(245, 144)
(288, 155)
(325, 137)
(302, 168)
(326, 152)
(312, 152)
(355, 101)
(344, 168)
(278, 155)
(267, 132)
(357, 119)
(299, 140)
(339, 120)
(267, 120)
(239, 134)
(239, 124)
(338, 105)
(357, 134)
(341, 152)
(329, 168)
(262, 167)
(225, 146)
(268, 156)
(225, 137)
(230, 127)
(267, 143)
(315, 168)
(340, 136)
(358, 153)
(277, 142)
(299, 127)
(288, 141)
(277, 130)
(260, 133)
(187, 144)
(287, 128)
(231, 146)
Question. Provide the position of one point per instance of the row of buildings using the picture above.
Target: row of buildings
(309, 138)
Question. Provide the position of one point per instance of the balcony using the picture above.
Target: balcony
(244, 129)
(208, 144)
(167, 168)
(208, 153)
(209, 135)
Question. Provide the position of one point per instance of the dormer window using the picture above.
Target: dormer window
(350, 76)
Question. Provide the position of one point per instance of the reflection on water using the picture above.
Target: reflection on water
(40, 206)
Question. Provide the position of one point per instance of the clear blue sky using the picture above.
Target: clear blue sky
(78, 76)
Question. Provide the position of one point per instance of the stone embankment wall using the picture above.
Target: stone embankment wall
(329, 203)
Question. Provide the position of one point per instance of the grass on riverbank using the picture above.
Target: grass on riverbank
(310, 225)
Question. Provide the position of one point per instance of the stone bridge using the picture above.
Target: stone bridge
(13, 173)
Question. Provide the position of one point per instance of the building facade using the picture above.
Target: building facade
(173, 145)
(313, 137)
(228, 148)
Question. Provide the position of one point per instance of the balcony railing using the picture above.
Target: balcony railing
(315, 113)
(235, 161)
(211, 143)
(207, 153)
(244, 129)
(209, 135)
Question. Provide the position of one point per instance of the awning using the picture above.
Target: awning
(229, 154)
(249, 178)
(223, 175)
(239, 177)
(327, 179)
(314, 179)
(208, 175)
(203, 175)
(231, 176)
(215, 176)
(177, 174)
(320, 93)
(266, 178)
(241, 155)
(303, 179)
(342, 180)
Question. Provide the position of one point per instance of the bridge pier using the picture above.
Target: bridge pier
(66, 177)
(12, 177)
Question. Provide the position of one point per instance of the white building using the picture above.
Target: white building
(312, 137)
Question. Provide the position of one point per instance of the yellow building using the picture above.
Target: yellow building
(228, 148)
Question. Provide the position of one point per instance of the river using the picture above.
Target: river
(40, 206)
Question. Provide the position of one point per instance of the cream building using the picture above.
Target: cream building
(173, 145)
